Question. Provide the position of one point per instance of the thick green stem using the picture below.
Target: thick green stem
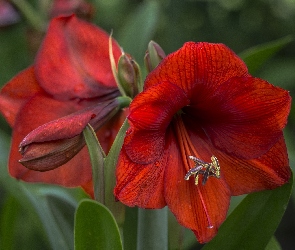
(152, 229)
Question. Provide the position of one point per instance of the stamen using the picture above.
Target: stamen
(204, 168)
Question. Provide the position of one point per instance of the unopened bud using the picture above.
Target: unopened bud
(55, 143)
(129, 75)
(52, 154)
(153, 56)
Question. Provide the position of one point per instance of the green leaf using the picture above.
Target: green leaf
(97, 155)
(95, 227)
(139, 29)
(117, 208)
(53, 205)
(256, 56)
(252, 224)
(152, 229)
(273, 244)
(51, 210)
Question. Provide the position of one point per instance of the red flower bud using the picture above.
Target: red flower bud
(55, 143)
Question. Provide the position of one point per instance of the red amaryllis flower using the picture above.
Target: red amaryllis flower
(200, 106)
(71, 81)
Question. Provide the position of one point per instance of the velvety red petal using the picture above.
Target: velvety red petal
(198, 64)
(16, 93)
(73, 60)
(150, 114)
(140, 185)
(266, 172)
(39, 110)
(243, 117)
(245, 176)
(202, 208)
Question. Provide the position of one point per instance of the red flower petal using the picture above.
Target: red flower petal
(245, 176)
(140, 185)
(149, 117)
(266, 172)
(73, 60)
(197, 207)
(16, 93)
(198, 64)
(243, 117)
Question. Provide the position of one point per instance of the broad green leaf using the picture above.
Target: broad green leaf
(139, 29)
(95, 227)
(273, 244)
(34, 199)
(152, 229)
(252, 224)
(255, 57)
(111, 159)
(97, 155)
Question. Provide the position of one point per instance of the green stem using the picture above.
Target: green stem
(97, 156)
(31, 15)
(152, 229)
(117, 208)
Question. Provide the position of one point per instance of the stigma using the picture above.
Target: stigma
(207, 169)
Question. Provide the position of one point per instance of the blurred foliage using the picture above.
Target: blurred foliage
(239, 24)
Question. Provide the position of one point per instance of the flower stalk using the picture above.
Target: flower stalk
(32, 16)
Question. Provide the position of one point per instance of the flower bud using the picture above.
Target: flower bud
(55, 143)
(153, 56)
(51, 154)
(129, 75)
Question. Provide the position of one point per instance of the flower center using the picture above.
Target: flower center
(188, 152)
